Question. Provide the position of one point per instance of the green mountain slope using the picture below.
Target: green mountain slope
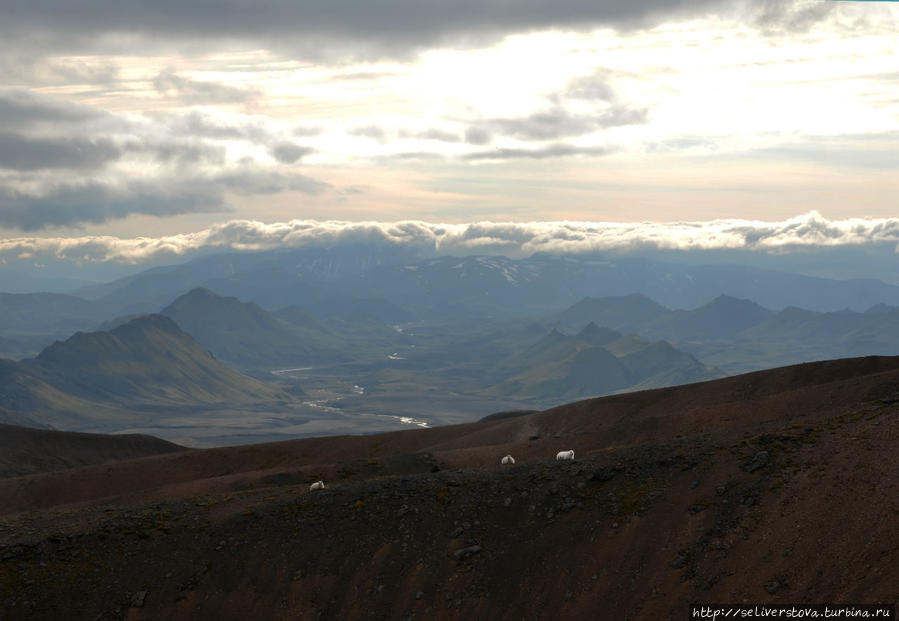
(145, 364)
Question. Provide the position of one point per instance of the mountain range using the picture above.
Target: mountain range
(740, 335)
(595, 361)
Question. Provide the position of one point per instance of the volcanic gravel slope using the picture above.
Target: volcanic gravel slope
(774, 487)
(28, 451)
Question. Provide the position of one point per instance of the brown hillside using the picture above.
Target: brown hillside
(774, 487)
(28, 451)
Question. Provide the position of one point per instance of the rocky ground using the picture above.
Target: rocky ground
(796, 505)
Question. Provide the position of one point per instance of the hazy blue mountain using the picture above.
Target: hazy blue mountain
(818, 336)
(661, 364)
(475, 286)
(559, 367)
(740, 335)
(625, 313)
(245, 335)
(483, 286)
(18, 346)
(595, 335)
(272, 279)
(46, 313)
(722, 318)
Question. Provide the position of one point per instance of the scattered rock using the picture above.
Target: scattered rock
(759, 460)
(137, 600)
(464, 553)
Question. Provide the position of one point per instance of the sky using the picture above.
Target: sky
(128, 127)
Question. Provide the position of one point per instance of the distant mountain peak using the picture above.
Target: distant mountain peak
(117, 340)
(732, 301)
(595, 335)
(556, 335)
(200, 292)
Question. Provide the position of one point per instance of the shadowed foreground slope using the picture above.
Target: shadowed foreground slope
(774, 487)
(29, 451)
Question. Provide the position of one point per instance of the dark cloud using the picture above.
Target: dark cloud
(288, 152)
(75, 205)
(192, 92)
(304, 131)
(19, 152)
(616, 116)
(369, 131)
(250, 181)
(559, 123)
(549, 125)
(202, 125)
(26, 153)
(477, 136)
(549, 151)
(20, 108)
(591, 87)
(375, 26)
(178, 152)
(781, 16)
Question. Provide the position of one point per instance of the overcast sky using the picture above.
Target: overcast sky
(170, 119)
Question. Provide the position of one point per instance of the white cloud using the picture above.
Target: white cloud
(810, 230)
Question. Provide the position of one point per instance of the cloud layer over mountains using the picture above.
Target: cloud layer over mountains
(810, 230)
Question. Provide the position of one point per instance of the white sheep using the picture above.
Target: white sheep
(317, 485)
(508, 459)
(565, 456)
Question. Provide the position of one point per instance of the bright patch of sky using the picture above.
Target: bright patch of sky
(734, 114)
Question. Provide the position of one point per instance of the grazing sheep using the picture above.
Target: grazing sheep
(565, 456)
(508, 459)
(317, 485)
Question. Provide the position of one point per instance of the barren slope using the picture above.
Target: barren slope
(29, 451)
(774, 487)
